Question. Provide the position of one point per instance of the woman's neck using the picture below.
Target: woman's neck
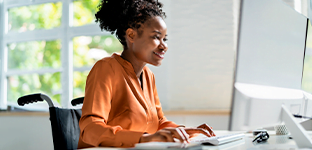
(136, 64)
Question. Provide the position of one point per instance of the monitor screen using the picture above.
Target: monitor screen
(269, 63)
(271, 44)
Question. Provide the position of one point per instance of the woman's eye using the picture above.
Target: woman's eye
(156, 37)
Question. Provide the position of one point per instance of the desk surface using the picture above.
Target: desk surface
(275, 142)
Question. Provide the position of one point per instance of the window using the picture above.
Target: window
(49, 46)
(84, 11)
(33, 17)
(39, 71)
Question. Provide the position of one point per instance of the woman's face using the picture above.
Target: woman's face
(150, 45)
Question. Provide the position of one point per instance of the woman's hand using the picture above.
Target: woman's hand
(203, 129)
(207, 128)
(166, 135)
(182, 134)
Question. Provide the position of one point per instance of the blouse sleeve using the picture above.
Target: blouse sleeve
(163, 122)
(95, 110)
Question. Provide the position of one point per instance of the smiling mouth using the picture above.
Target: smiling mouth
(159, 55)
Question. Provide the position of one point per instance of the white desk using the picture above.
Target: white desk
(275, 142)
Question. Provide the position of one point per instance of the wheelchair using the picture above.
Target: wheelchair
(64, 122)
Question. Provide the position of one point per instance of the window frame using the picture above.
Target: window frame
(66, 32)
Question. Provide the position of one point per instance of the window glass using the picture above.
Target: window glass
(89, 49)
(49, 84)
(34, 55)
(43, 16)
(80, 83)
(84, 11)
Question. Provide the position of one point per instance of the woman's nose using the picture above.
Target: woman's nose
(163, 46)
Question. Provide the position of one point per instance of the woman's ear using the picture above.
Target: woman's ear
(130, 35)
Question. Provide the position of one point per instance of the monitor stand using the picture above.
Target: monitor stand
(298, 133)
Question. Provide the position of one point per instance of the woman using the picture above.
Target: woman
(121, 105)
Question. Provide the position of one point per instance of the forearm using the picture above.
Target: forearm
(164, 123)
(99, 134)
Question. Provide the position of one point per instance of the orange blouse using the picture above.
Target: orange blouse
(116, 111)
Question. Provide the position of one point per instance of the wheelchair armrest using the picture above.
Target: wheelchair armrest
(32, 98)
(77, 101)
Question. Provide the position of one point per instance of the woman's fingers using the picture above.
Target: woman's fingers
(193, 131)
(167, 135)
(211, 132)
(159, 136)
(184, 136)
(208, 128)
(179, 133)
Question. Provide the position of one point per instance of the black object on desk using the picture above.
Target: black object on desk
(300, 116)
(261, 136)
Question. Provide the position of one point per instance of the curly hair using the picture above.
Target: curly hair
(116, 16)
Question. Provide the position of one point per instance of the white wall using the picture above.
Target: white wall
(25, 132)
(197, 72)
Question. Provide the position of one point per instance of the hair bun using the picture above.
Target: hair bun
(119, 15)
(110, 14)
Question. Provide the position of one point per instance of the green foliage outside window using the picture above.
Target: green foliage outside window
(34, 55)
(84, 11)
(43, 16)
(41, 54)
(27, 84)
(47, 54)
(79, 83)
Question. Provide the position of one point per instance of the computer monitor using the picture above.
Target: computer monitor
(307, 70)
(268, 71)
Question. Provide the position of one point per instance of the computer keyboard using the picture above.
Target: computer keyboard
(166, 145)
(194, 143)
(218, 140)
